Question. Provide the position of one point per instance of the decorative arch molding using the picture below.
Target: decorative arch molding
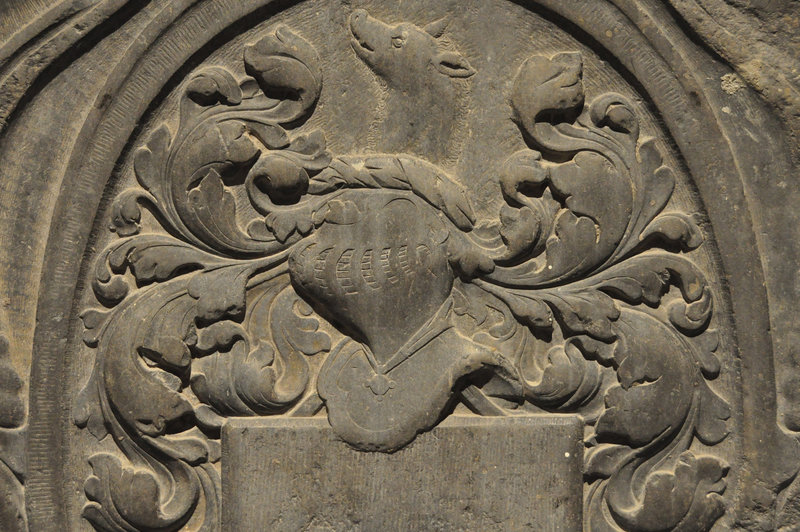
(643, 40)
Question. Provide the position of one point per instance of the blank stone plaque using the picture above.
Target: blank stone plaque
(468, 473)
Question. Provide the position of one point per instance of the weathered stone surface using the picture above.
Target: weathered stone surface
(295, 474)
(378, 217)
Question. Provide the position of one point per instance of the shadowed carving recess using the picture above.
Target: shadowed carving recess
(289, 280)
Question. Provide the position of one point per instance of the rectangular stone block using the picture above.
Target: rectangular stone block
(468, 473)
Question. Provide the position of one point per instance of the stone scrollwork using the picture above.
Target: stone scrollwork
(201, 296)
(288, 280)
(591, 259)
(12, 445)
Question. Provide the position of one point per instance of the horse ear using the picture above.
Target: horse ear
(437, 27)
(453, 64)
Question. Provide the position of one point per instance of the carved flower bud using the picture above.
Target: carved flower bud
(548, 89)
(615, 111)
(279, 177)
(520, 229)
(286, 67)
(213, 85)
(522, 172)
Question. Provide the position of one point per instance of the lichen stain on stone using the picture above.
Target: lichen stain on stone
(731, 83)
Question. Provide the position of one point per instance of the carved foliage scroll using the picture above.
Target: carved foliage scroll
(12, 445)
(186, 337)
(578, 296)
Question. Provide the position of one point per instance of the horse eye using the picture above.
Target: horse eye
(398, 41)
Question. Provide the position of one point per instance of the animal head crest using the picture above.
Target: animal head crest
(402, 53)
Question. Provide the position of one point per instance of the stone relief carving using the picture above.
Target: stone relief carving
(12, 445)
(578, 297)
